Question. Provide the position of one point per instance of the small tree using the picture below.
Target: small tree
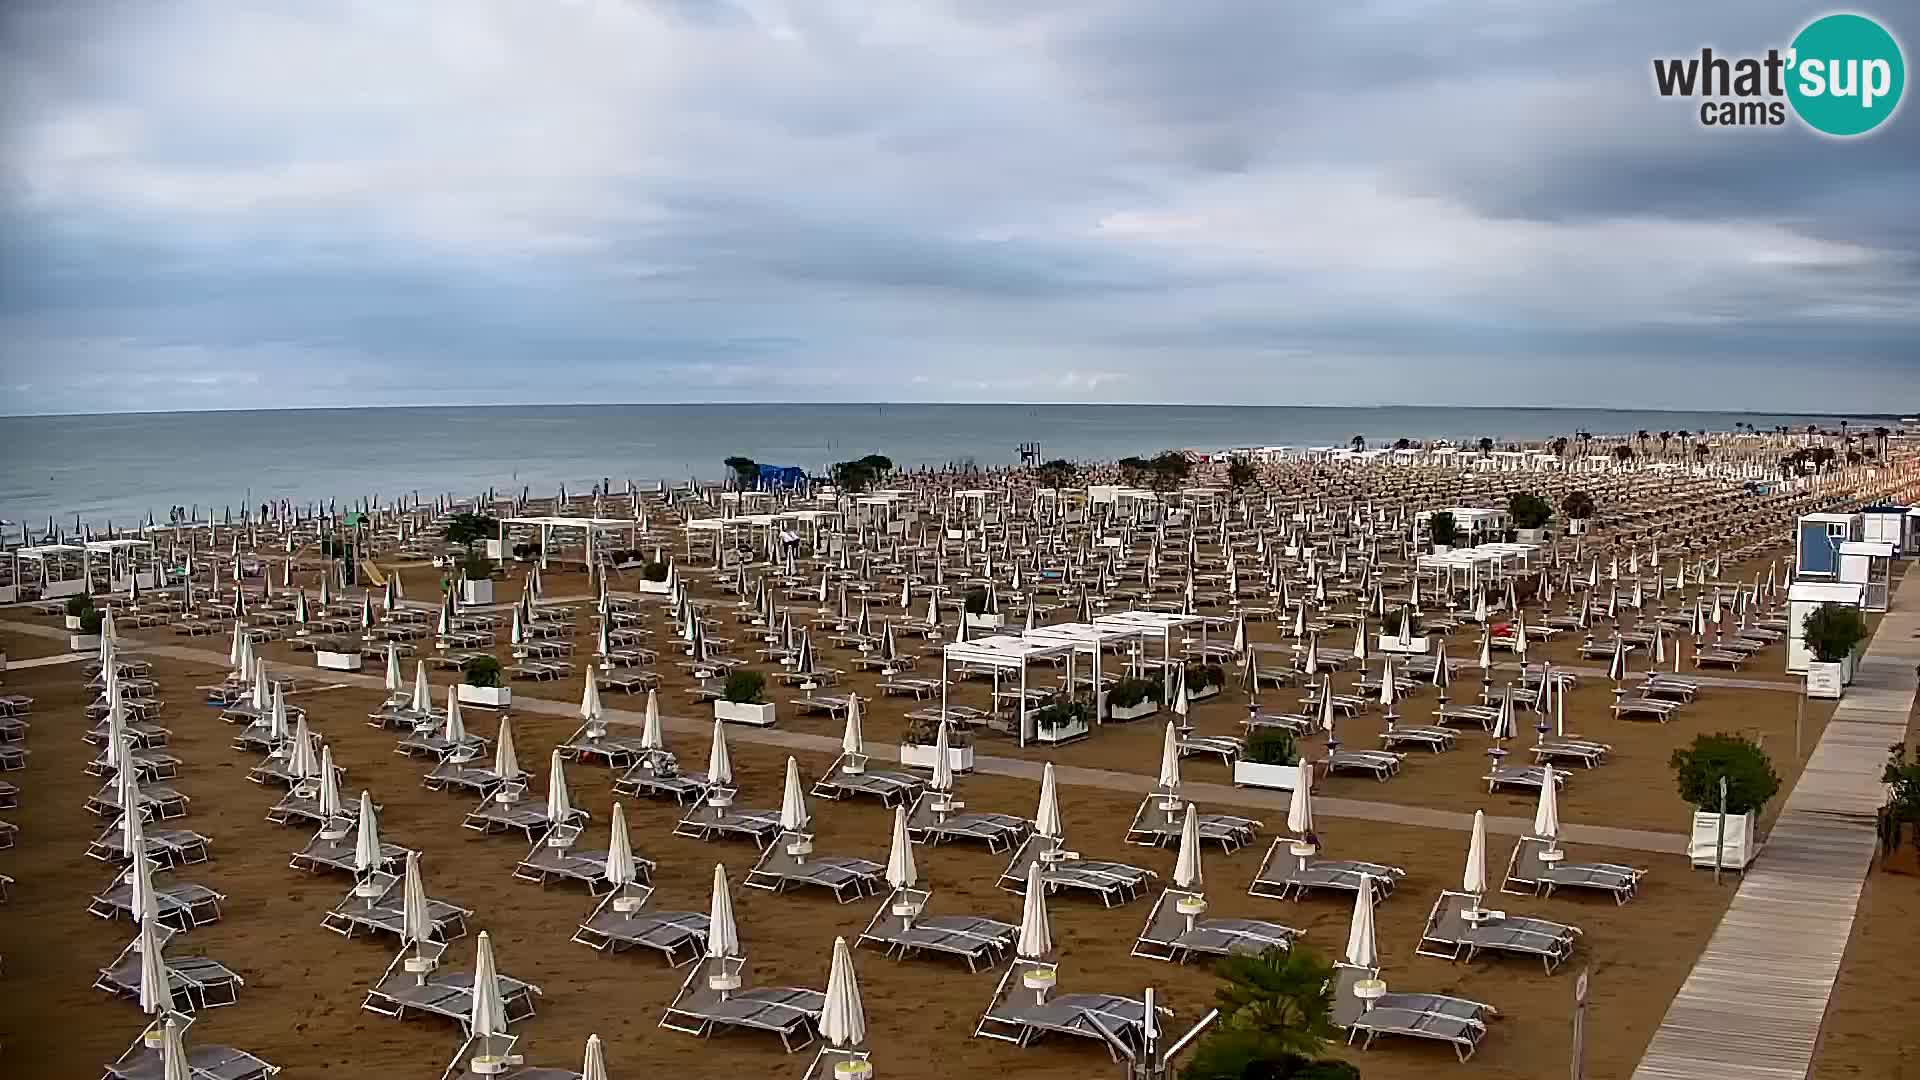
(1751, 781)
(467, 529)
(480, 671)
(91, 620)
(745, 687)
(1902, 807)
(1442, 529)
(79, 604)
(1529, 511)
(654, 571)
(1169, 469)
(1276, 1018)
(976, 601)
(476, 566)
(1057, 473)
(1833, 631)
(746, 471)
(1272, 746)
(1578, 505)
(1623, 453)
(1240, 473)
(1486, 445)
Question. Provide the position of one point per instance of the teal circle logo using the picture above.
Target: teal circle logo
(1846, 75)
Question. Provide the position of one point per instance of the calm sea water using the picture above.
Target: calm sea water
(115, 468)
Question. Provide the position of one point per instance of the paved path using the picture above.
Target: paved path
(1753, 1005)
(1133, 783)
(48, 661)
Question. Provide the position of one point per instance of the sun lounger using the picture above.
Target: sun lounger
(13, 757)
(157, 803)
(196, 982)
(166, 848)
(332, 850)
(1226, 747)
(9, 795)
(1454, 932)
(790, 862)
(1172, 935)
(514, 808)
(1481, 716)
(1157, 824)
(1524, 777)
(698, 1009)
(380, 913)
(1726, 658)
(1382, 764)
(1569, 748)
(144, 736)
(1456, 1021)
(851, 776)
(656, 775)
(467, 770)
(1281, 875)
(1114, 883)
(142, 1062)
(920, 689)
(1019, 1015)
(9, 832)
(936, 817)
(432, 742)
(902, 929)
(1651, 707)
(1528, 871)
(1431, 736)
(708, 820)
(679, 936)
(183, 905)
(148, 765)
(13, 729)
(554, 857)
(441, 992)
(594, 744)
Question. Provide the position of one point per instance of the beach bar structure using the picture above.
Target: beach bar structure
(1869, 564)
(127, 560)
(1896, 525)
(59, 569)
(1817, 540)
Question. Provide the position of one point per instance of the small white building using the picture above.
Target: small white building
(1803, 598)
(1869, 564)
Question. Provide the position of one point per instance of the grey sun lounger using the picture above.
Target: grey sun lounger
(1456, 1021)
(1528, 872)
(554, 857)
(433, 743)
(790, 1012)
(705, 821)
(1653, 708)
(1429, 736)
(974, 939)
(1569, 748)
(196, 982)
(1156, 824)
(678, 936)
(145, 736)
(1525, 777)
(526, 813)
(356, 914)
(1018, 1016)
(850, 776)
(935, 819)
(593, 744)
(1451, 935)
(148, 765)
(1114, 883)
(656, 774)
(166, 848)
(335, 854)
(183, 905)
(1382, 765)
(445, 993)
(1281, 877)
(157, 803)
(467, 770)
(789, 862)
(1227, 748)
(1169, 936)
(142, 1062)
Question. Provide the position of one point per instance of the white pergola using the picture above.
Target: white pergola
(1090, 639)
(1001, 653)
(589, 526)
(127, 559)
(1161, 623)
(50, 565)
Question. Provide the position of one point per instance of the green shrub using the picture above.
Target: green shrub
(1271, 746)
(1128, 692)
(480, 671)
(468, 529)
(1751, 781)
(1201, 676)
(79, 605)
(746, 688)
(925, 731)
(654, 571)
(1577, 505)
(1442, 529)
(1833, 631)
(91, 620)
(1529, 511)
(1903, 797)
(976, 601)
(477, 567)
(1276, 1017)
(1058, 712)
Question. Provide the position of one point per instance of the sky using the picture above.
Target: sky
(309, 203)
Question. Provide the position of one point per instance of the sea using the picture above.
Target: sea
(115, 469)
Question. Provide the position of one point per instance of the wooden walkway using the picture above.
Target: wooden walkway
(1753, 1005)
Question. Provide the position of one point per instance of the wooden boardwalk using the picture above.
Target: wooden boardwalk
(1753, 1005)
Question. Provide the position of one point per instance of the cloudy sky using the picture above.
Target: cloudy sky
(207, 204)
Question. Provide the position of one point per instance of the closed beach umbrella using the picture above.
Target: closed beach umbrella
(1546, 815)
(1046, 822)
(942, 768)
(559, 803)
(366, 844)
(1170, 763)
(301, 762)
(156, 995)
(1300, 807)
(621, 870)
(595, 1067)
(723, 936)
(793, 801)
(901, 872)
(506, 761)
(1036, 932)
(416, 921)
(651, 737)
(139, 871)
(173, 1052)
(850, 741)
(394, 686)
(1361, 950)
(1474, 878)
(843, 1019)
(133, 830)
(422, 693)
(489, 1015)
(456, 729)
(1186, 866)
(329, 786)
(719, 762)
(590, 698)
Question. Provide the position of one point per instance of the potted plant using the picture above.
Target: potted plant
(87, 635)
(477, 586)
(1529, 514)
(1751, 783)
(1269, 761)
(1062, 719)
(1899, 817)
(653, 578)
(1579, 508)
(480, 684)
(1133, 699)
(1389, 640)
(1442, 530)
(743, 700)
(77, 606)
(331, 655)
(1276, 1019)
(1832, 632)
(918, 741)
(468, 529)
(977, 615)
(1205, 681)
(526, 551)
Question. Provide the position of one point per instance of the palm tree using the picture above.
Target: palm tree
(1623, 453)
(1276, 1010)
(1665, 438)
(1700, 452)
(1486, 445)
(1358, 442)
(1880, 436)
(1642, 436)
(1560, 447)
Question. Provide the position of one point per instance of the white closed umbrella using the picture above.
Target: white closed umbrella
(1046, 822)
(595, 1067)
(843, 1019)
(901, 872)
(651, 737)
(416, 922)
(456, 729)
(1169, 783)
(621, 870)
(302, 764)
(422, 693)
(1361, 949)
(1186, 865)
(851, 741)
(173, 1052)
(1300, 806)
(1546, 815)
(132, 828)
(366, 842)
(942, 768)
(394, 686)
(488, 1018)
(330, 806)
(506, 761)
(559, 803)
(793, 801)
(723, 936)
(719, 762)
(590, 698)
(156, 992)
(1036, 931)
(1473, 879)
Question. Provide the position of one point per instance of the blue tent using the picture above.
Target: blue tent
(781, 477)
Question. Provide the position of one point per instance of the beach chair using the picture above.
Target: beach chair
(195, 982)
(512, 808)
(1458, 928)
(13, 729)
(144, 736)
(937, 817)
(1286, 876)
(447, 994)
(142, 1060)
(1174, 935)
(1020, 1014)
(620, 922)
(1570, 748)
(1528, 871)
(9, 833)
(701, 1007)
(790, 862)
(376, 910)
(1718, 657)
(1430, 736)
(13, 757)
(715, 817)
(467, 768)
(1654, 708)
(148, 765)
(593, 744)
(850, 776)
(1382, 765)
(9, 795)
(1113, 883)
(332, 850)
(1481, 716)
(553, 858)
(1459, 1022)
(1157, 824)
(157, 803)
(165, 848)
(183, 905)
(1522, 777)
(656, 774)
(430, 741)
(1227, 748)
(902, 929)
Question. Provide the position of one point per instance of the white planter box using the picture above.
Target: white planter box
(733, 712)
(1255, 774)
(487, 697)
(1060, 734)
(338, 661)
(1202, 693)
(983, 621)
(1417, 645)
(73, 622)
(476, 592)
(656, 588)
(1825, 680)
(83, 642)
(1530, 536)
(493, 550)
(1136, 711)
(959, 758)
(1742, 844)
(1442, 549)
